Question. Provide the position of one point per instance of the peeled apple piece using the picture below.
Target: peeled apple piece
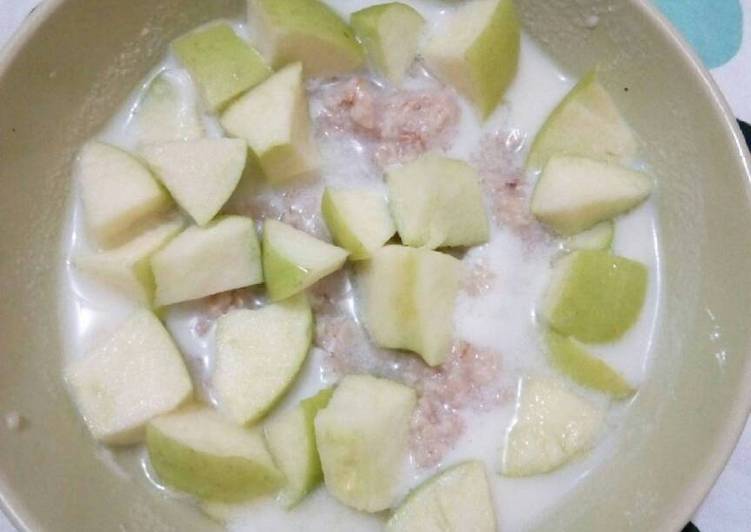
(599, 236)
(587, 123)
(574, 193)
(164, 114)
(551, 426)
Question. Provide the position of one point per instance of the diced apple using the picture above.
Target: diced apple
(574, 193)
(164, 114)
(292, 442)
(362, 440)
(359, 220)
(599, 236)
(551, 426)
(477, 51)
(199, 452)
(135, 375)
(437, 202)
(202, 261)
(409, 299)
(127, 269)
(200, 174)
(221, 63)
(293, 260)
(390, 34)
(119, 193)
(306, 31)
(454, 500)
(587, 123)
(594, 296)
(273, 119)
(574, 360)
(258, 355)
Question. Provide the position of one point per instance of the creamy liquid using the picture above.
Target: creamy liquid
(501, 318)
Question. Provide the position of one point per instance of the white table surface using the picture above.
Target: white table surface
(727, 508)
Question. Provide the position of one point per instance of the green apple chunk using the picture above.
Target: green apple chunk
(362, 440)
(221, 63)
(437, 202)
(575, 193)
(594, 296)
(599, 236)
(454, 500)
(200, 174)
(199, 452)
(586, 123)
(127, 269)
(390, 34)
(573, 359)
(258, 355)
(293, 260)
(306, 31)
(135, 375)
(292, 442)
(551, 426)
(163, 114)
(273, 119)
(202, 261)
(359, 220)
(477, 51)
(119, 193)
(409, 300)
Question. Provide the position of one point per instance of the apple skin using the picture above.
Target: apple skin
(573, 360)
(600, 236)
(390, 34)
(594, 296)
(478, 53)
(221, 63)
(587, 123)
(293, 260)
(199, 452)
(305, 31)
(359, 220)
(292, 441)
(259, 354)
(362, 440)
(552, 425)
(455, 499)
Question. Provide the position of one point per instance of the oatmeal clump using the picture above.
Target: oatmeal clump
(396, 126)
(215, 306)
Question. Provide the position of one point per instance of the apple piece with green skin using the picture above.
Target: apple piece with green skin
(127, 269)
(200, 174)
(258, 355)
(202, 261)
(477, 52)
(575, 193)
(599, 236)
(362, 440)
(437, 202)
(409, 299)
(594, 296)
(293, 260)
(587, 123)
(552, 425)
(572, 358)
(222, 64)
(359, 220)
(199, 452)
(305, 31)
(292, 442)
(390, 34)
(119, 193)
(453, 500)
(135, 375)
(163, 114)
(273, 119)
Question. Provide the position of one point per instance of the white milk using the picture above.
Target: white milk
(501, 319)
